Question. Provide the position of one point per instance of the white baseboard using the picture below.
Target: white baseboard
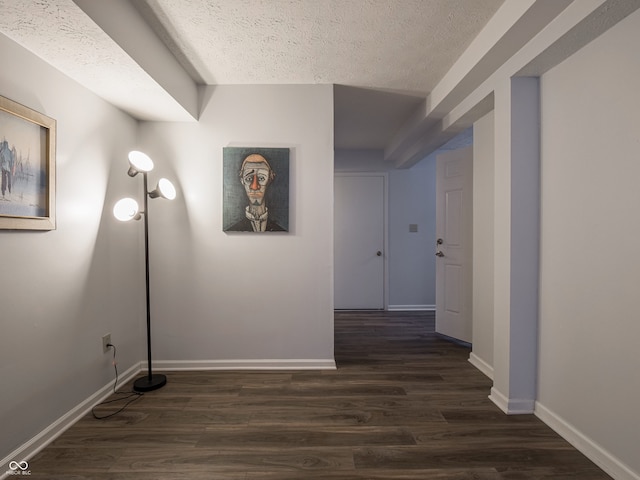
(33, 446)
(411, 308)
(594, 452)
(273, 364)
(512, 406)
(481, 365)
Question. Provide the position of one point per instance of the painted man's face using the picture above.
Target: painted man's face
(255, 177)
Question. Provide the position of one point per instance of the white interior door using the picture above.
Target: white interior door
(454, 224)
(359, 233)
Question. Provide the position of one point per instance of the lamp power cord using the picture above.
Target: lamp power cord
(131, 396)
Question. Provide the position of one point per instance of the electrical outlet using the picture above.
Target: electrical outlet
(106, 340)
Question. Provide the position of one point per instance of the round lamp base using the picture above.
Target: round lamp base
(146, 384)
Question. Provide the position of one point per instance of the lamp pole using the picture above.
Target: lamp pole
(151, 381)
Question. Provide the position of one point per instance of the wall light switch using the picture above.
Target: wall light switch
(413, 228)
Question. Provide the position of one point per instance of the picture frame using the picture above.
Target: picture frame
(255, 189)
(27, 168)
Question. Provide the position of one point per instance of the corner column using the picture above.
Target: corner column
(516, 244)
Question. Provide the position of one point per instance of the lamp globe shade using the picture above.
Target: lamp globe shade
(166, 188)
(140, 161)
(126, 209)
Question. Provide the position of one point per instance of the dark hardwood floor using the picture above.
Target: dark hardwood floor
(403, 404)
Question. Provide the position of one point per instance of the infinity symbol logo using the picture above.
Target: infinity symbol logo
(18, 465)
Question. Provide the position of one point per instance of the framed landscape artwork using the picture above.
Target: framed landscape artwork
(27, 168)
(255, 189)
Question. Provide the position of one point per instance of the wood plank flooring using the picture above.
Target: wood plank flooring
(403, 404)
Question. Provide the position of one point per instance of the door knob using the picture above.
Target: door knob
(379, 253)
(439, 254)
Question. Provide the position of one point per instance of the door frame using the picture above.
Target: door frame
(465, 155)
(385, 228)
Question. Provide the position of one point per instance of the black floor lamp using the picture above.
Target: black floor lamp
(127, 209)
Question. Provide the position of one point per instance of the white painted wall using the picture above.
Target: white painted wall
(62, 290)
(411, 263)
(483, 255)
(219, 298)
(589, 386)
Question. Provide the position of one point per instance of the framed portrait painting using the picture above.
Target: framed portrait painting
(255, 189)
(27, 168)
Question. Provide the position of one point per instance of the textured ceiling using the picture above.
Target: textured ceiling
(59, 32)
(401, 45)
(404, 70)
(394, 51)
(386, 55)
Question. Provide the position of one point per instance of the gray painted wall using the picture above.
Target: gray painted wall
(483, 226)
(253, 300)
(63, 289)
(223, 298)
(588, 385)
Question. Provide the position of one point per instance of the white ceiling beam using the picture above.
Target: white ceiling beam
(573, 28)
(125, 25)
(513, 25)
